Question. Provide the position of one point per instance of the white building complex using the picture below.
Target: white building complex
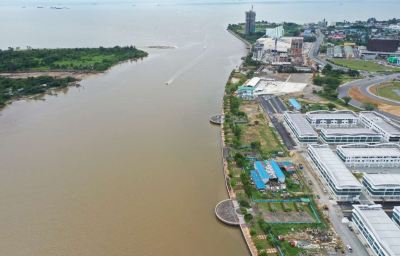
(300, 127)
(367, 155)
(349, 135)
(382, 186)
(396, 215)
(377, 229)
(324, 118)
(389, 130)
(339, 179)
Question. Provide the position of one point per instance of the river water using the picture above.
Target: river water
(125, 164)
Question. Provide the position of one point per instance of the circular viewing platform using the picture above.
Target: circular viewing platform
(226, 212)
(217, 119)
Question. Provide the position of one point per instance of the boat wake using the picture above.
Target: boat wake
(187, 67)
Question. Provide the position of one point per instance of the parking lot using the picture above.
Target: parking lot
(273, 105)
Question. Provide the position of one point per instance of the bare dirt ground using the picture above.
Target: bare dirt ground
(281, 216)
(357, 95)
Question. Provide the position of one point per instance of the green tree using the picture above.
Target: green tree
(331, 106)
(346, 100)
(369, 106)
(255, 145)
(248, 217)
(239, 159)
(327, 69)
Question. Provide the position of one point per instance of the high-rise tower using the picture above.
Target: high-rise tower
(250, 22)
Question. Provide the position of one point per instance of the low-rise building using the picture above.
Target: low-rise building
(377, 229)
(324, 118)
(300, 127)
(350, 135)
(280, 176)
(396, 215)
(340, 180)
(389, 130)
(367, 155)
(382, 186)
(337, 51)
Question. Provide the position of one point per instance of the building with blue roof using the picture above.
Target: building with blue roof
(296, 105)
(257, 180)
(260, 168)
(278, 172)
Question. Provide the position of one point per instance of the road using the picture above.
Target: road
(334, 211)
(272, 107)
(313, 53)
(363, 85)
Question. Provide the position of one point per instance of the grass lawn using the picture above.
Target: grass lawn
(258, 130)
(347, 78)
(363, 65)
(389, 90)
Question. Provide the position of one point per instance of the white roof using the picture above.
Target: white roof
(278, 87)
(382, 122)
(349, 131)
(366, 150)
(324, 114)
(252, 82)
(336, 169)
(383, 229)
(383, 179)
(282, 44)
(300, 124)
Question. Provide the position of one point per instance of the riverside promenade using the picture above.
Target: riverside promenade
(232, 195)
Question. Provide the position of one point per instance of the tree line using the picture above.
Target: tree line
(79, 59)
(15, 88)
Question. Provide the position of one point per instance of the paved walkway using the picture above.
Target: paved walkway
(226, 212)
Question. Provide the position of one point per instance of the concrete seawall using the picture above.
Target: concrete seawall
(243, 227)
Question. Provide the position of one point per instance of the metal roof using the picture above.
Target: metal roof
(382, 122)
(252, 82)
(349, 131)
(334, 166)
(295, 104)
(363, 150)
(383, 179)
(325, 114)
(257, 180)
(278, 172)
(301, 124)
(381, 227)
(259, 165)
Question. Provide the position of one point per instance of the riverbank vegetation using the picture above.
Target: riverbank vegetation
(71, 59)
(38, 70)
(11, 89)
